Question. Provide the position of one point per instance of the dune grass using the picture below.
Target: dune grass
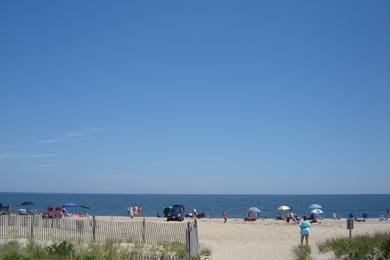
(205, 252)
(302, 252)
(66, 250)
(362, 247)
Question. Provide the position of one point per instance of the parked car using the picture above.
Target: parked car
(176, 213)
(53, 212)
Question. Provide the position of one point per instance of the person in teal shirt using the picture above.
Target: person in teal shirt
(305, 229)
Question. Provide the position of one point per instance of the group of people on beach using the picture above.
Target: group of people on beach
(291, 216)
(134, 211)
(303, 223)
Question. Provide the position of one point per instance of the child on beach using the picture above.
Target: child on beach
(288, 217)
(305, 229)
(224, 215)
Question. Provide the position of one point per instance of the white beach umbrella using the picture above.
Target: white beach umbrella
(284, 208)
(315, 206)
(317, 211)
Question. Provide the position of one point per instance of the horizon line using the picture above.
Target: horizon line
(216, 194)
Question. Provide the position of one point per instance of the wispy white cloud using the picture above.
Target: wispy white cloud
(49, 165)
(74, 136)
(13, 155)
(210, 158)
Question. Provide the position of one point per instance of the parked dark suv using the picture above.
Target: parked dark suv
(176, 213)
(53, 212)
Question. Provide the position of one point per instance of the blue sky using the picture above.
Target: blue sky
(195, 96)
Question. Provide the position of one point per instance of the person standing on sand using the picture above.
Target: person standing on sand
(131, 212)
(305, 229)
(224, 215)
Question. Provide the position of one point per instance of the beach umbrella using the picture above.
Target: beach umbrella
(27, 203)
(284, 208)
(315, 206)
(317, 211)
(84, 207)
(254, 209)
(69, 205)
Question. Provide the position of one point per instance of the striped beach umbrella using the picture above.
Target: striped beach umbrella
(317, 211)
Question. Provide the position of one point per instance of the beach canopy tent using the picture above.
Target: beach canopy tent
(317, 211)
(283, 208)
(69, 205)
(27, 203)
(315, 206)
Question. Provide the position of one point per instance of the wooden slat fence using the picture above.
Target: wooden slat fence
(92, 230)
(118, 231)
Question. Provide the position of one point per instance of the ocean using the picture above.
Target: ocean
(213, 205)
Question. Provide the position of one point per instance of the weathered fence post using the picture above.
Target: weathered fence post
(197, 237)
(32, 226)
(143, 230)
(192, 242)
(188, 239)
(93, 228)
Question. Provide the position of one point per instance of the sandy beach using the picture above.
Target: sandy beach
(267, 239)
(271, 239)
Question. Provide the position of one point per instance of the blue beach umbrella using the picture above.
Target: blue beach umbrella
(69, 205)
(315, 206)
(27, 203)
(254, 209)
